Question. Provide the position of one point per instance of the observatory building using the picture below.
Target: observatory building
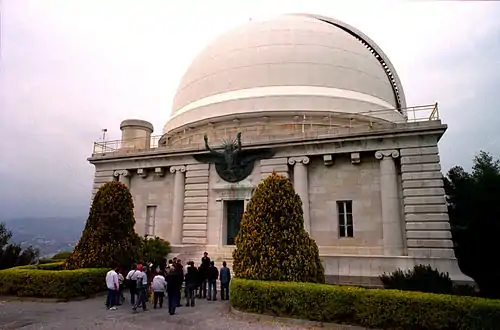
(315, 100)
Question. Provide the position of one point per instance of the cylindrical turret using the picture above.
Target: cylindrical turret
(136, 134)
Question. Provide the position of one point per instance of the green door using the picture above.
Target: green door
(234, 212)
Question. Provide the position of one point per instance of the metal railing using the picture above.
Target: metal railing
(305, 127)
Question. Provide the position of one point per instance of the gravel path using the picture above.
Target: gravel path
(91, 314)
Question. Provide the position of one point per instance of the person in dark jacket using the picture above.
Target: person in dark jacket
(213, 275)
(225, 278)
(180, 269)
(173, 289)
(191, 282)
(205, 264)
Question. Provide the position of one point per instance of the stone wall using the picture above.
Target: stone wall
(153, 189)
(267, 166)
(194, 227)
(426, 218)
(100, 178)
(342, 181)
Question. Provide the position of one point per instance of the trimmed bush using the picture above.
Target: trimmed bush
(62, 284)
(52, 266)
(49, 261)
(272, 243)
(109, 238)
(61, 255)
(421, 278)
(372, 308)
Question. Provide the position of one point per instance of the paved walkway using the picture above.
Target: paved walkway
(91, 314)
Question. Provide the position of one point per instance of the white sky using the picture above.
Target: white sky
(70, 68)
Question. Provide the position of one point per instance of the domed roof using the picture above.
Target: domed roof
(293, 62)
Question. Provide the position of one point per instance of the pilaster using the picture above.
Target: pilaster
(123, 176)
(389, 194)
(195, 224)
(301, 185)
(178, 204)
(426, 214)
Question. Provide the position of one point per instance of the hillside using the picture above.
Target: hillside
(50, 235)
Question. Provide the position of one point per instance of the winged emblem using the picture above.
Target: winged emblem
(233, 163)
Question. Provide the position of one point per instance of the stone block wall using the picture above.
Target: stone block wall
(152, 189)
(194, 227)
(426, 215)
(267, 166)
(100, 178)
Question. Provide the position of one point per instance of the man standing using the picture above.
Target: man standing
(131, 282)
(205, 264)
(191, 282)
(173, 289)
(159, 287)
(225, 278)
(142, 288)
(213, 275)
(113, 287)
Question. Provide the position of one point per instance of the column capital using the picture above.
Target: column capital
(118, 173)
(381, 154)
(180, 168)
(299, 160)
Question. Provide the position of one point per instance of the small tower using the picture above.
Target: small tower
(136, 134)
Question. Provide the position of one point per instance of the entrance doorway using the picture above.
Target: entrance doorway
(234, 212)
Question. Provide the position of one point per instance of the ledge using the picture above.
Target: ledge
(291, 321)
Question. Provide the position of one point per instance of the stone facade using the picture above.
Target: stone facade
(391, 177)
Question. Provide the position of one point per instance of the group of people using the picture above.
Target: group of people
(144, 279)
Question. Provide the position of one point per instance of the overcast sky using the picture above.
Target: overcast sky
(71, 68)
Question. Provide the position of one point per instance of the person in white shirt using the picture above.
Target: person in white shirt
(142, 289)
(131, 282)
(159, 287)
(113, 287)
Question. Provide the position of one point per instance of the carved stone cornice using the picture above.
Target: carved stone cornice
(299, 160)
(119, 173)
(142, 172)
(159, 171)
(381, 154)
(179, 168)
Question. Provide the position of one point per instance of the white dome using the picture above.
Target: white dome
(294, 62)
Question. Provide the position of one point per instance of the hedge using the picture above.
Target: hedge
(28, 281)
(51, 266)
(48, 261)
(372, 308)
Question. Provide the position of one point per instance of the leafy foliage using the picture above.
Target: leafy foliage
(12, 255)
(272, 243)
(474, 209)
(108, 238)
(29, 281)
(370, 308)
(421, 278)
(155, 250)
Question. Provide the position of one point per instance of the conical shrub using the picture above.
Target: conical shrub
(272, 244)
(109, 238)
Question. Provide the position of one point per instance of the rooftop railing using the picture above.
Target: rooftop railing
(307, 127)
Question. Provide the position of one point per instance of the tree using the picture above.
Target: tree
(272, 243)
(474, 210)
(155, 250)
(12, 255)
(109, 238)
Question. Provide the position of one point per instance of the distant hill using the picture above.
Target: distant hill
(49, 235)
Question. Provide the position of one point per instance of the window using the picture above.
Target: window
(345, 218)
(150, 220)
(234, 213)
